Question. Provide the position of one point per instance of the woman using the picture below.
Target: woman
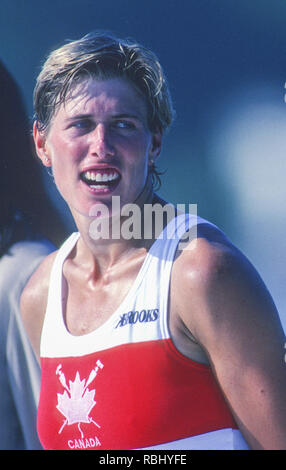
(22, 247)
(140, 342)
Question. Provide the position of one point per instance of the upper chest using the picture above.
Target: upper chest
(87, 306)
(88, 303)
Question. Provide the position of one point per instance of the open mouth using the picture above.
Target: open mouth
(101, 179)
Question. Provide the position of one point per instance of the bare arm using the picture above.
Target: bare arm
(33, 302)
(232, 316)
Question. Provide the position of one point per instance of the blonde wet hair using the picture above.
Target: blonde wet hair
(102, 55)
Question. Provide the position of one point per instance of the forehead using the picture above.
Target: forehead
(114, 95)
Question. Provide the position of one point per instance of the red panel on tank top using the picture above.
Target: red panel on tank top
(127, 397)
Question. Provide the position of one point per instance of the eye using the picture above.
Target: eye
(83, 125)
(124, 124)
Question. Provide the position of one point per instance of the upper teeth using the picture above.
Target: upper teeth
(101, 176)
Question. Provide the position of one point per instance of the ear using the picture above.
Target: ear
(155, 147)
(40, 145)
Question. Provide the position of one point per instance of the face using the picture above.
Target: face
(99, 145)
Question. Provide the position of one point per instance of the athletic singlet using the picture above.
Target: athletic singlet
(125, 385)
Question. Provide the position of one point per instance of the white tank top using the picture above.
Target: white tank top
(148, 395)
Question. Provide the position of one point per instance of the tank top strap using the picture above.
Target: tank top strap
(54, 303)
(176, 236)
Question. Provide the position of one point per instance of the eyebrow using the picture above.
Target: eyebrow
(126, 115)
(115, 116)
(79, 116)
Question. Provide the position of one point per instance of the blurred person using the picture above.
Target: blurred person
(143, 343)
(25, 216)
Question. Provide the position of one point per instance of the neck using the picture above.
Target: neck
(147, 194)
(110, 250)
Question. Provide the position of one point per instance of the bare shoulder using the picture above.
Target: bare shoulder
(33, 301)
(217, 280)
(223, 301)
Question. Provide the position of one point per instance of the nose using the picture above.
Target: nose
(100, 142)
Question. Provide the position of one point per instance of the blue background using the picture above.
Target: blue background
(226, 65)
